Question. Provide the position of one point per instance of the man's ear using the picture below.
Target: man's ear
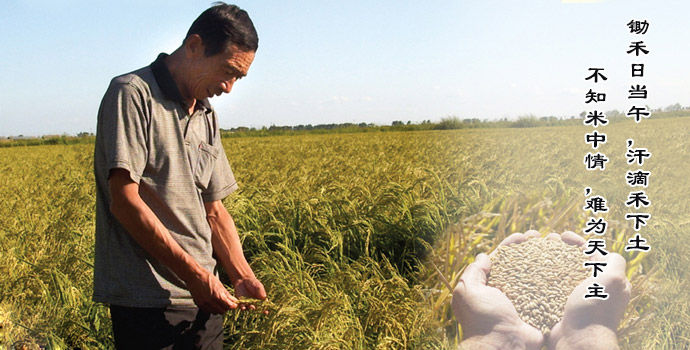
(194, 46)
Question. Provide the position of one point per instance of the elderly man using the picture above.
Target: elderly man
(161, 173)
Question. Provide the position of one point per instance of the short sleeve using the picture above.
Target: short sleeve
(122, 127)
(222, 181)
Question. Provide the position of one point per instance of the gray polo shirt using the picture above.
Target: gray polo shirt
(179, 163)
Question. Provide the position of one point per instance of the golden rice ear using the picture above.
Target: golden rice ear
(538, 276)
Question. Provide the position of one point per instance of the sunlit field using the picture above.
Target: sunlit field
(359, 237)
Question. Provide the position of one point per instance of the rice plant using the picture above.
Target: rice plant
(358, 238)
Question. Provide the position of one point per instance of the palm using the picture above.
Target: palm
(481, 309)
(580, 312)
(250, 288)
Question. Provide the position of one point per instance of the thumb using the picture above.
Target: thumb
(230, 299)
(616, 263)
(615, 278)
(260, 292)
(476, 272)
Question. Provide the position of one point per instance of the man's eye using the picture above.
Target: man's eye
(231, 74)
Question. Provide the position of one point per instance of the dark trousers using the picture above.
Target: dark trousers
(166, 328)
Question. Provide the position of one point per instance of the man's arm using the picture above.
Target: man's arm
(228, 250)
(150, 233)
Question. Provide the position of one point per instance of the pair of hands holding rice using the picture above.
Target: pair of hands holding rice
(490, 321)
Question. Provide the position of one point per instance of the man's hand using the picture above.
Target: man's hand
(210, 295)
(488, 318)
(250, 288)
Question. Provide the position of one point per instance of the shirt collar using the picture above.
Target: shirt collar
(167, 83)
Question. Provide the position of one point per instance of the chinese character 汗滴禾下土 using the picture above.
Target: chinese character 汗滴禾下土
(637, 243)
(640, 219)
(638, 178)
(636, 154)
(637, 200)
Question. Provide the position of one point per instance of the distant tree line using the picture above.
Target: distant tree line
(447, 123)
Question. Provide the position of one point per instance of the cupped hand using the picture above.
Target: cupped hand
(250, 288)
(486, 313)
(584, 319)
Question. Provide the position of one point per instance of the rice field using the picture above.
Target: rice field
(360, 237)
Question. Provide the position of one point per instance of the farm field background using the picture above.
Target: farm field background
(347, 230)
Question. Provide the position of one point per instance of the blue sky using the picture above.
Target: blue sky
(355, 61)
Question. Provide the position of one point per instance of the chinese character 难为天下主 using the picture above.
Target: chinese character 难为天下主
(596, 226)
(595, 203)
(596, 291)
(596, 245)
(597, 266)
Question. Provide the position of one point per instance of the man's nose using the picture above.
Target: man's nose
(227, 86)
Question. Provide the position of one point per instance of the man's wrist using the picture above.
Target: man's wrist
(246, 277)
(593, 337)
(192, 272)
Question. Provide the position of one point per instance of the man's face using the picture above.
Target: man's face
(214, 75)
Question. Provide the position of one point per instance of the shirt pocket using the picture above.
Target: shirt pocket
(206, 162)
